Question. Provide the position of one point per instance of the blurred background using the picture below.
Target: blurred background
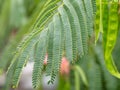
(16, 19)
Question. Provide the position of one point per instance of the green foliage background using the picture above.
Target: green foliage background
(17, 19)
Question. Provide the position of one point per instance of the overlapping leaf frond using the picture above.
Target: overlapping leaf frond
(63, 27)
(8, 51)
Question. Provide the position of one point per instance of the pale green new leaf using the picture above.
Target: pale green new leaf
(110, 37)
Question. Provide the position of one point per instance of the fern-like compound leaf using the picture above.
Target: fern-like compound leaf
(60, 29)
(40, 53)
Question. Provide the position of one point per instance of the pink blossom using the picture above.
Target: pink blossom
(65, 66)
(45, 60)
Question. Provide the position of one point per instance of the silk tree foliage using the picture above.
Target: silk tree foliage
(63, 28)
(8, 52)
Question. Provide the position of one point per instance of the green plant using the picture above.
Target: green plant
(39, 38)
(62, 28)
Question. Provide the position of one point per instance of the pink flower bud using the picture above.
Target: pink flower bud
(65, 66)
(45, 60)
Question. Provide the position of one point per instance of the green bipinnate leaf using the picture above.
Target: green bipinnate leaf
(62, 27)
